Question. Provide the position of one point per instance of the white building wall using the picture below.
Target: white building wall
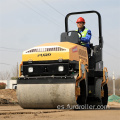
(10, 83)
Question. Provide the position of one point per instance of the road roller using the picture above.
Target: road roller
(63, 73)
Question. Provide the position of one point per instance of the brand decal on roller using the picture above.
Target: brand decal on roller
(45, 54)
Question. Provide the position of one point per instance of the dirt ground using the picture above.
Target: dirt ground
(17, 113)
(10, 110)
(8, 96)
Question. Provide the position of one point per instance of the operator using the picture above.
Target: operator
(84, 33)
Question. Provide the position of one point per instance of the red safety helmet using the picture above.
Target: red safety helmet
(80, 19)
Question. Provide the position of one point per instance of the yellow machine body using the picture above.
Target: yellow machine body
(56, 51)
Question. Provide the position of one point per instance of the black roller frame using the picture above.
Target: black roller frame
(47, 80)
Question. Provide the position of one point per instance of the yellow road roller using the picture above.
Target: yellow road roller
(63, 73)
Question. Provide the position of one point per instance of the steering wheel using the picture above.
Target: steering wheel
(79, 34)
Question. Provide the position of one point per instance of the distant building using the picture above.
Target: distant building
(11, 84)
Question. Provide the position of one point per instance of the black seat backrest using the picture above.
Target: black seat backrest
(74, 38)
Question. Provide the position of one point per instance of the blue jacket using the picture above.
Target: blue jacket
(87, 38)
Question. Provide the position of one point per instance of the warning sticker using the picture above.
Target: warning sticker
(74, 49)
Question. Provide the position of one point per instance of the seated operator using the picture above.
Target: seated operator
(84, 33)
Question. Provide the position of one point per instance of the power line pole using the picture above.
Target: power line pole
(113, 84)
(17, 70)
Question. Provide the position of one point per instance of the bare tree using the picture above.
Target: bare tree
(14, 72)
(5, 75)
(9, 74)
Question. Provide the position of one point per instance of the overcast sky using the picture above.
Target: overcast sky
(28, 23)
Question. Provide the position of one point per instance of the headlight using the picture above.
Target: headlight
(60, 68)
(30, 69)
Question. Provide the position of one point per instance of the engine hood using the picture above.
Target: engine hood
(53, 51)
